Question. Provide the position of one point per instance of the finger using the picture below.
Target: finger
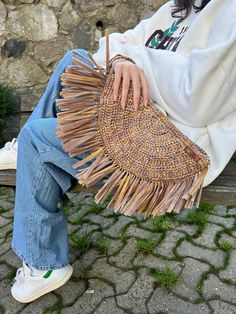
(125, 89)
(136, 89)
(117, 81)
(145, 90)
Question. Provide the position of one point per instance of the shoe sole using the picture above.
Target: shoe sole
(7, 166)
(49, 288)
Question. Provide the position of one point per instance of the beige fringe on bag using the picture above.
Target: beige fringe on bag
(153, 168)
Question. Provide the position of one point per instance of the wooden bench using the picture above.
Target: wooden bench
(221, 191)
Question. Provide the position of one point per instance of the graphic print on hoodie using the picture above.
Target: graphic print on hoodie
(164, 39)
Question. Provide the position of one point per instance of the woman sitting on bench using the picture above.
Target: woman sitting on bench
(185, 57)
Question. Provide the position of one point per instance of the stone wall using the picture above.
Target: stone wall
(34, 35)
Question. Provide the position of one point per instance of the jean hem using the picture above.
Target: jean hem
(35, 265)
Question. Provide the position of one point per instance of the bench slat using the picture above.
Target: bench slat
(221, 191)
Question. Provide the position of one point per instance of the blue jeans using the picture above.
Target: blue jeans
(44, 173)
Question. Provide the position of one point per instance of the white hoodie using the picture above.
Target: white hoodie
(191, 71)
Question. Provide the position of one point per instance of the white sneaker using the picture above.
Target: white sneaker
(30, 285)
(8, 155)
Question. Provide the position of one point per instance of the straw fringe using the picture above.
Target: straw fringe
(79, 131)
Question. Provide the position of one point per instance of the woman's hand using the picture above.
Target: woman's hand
(129, 72)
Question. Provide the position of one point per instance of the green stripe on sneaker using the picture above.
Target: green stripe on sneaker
(48, 273)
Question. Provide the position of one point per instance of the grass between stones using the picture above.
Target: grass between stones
(166, 276)
(82, 242)
(146, 245)
(160, 223)
(102, 245)
(198, 218)
(226, 245)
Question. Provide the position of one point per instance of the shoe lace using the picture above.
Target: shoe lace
(21, 274)
(10, 145)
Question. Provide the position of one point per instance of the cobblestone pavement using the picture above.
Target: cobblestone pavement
(182, 263)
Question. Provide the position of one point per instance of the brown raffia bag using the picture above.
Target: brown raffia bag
(153, 167)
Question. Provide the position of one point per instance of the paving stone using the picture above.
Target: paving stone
(6, 204)
(5, 230)
(220, 307)
(232, 211)
(4, 221)
(234, 234)
(73, 253)
(86, 228)
(126, 255)
(88, 302)
(114, 246)
(72, 229)
(101, 220)
(10, 305)
(122, 280)
(113, 231)
(81, 197)
(189, 278)
(135, 231)
(5, 246)
(71, 291)
(134, 300)
(213, 287)
(215, 257)
(163, 301)
(5, 271)
(11, 258)
(230, 271)
(180, 289)
(189, 229)
(228, 238)
(226, 222)
(108, 306)
(8, 214)
(220, 210)
(85, 260)
(151, 261)
(208, 235)
(7, 192)
(183, 215)
(192, 271)
(40, 305)
(168, 243)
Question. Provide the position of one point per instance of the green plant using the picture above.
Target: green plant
(146, 245)
(160, 223)
(206, 207)
(197, 217)
(82, 242)
(102, 245)
(166, 277)
(226, 245)
(95, 208)
(7, 101)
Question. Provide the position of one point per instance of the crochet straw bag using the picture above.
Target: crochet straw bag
(152, 167)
